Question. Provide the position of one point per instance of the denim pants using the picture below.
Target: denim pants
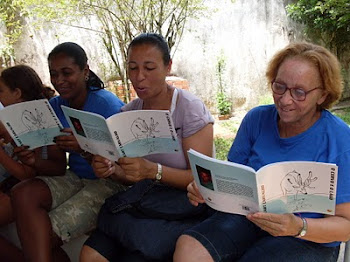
(145, 221)
(229, 237)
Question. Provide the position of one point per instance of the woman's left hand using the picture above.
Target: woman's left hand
(25, 155)
(68, 142)
(137, 168)
(277, 224)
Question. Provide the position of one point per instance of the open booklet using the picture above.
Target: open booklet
(282, 187)
(132, 134)
(33, 123)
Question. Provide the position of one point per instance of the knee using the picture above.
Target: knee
(88, 254)
(30, 192)
(190, 249)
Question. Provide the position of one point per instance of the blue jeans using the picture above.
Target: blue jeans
(145, 220)
(230, 237)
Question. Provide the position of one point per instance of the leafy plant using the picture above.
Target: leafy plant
(326, 20)
(223, 102)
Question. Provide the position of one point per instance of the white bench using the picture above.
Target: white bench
(347, 252)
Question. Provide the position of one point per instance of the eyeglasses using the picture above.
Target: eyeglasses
(297, 94)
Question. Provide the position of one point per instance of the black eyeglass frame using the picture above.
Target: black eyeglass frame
(291, 91)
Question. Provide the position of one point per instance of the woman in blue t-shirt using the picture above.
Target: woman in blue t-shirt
(305, 80)
(53, 210)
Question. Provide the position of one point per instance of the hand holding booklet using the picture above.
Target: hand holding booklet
(127, 134)
(282, 187)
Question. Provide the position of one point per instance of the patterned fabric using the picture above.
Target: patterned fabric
(76, 202)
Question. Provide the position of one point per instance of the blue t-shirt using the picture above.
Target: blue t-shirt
(101, 102)
(258, 143)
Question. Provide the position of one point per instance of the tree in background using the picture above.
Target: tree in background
(11, 14)
(327, 22)
(120, 21)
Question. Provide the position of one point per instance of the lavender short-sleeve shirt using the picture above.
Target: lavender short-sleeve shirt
(190, 116)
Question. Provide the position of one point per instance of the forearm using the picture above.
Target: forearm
(16, 168)
(53, 164)
(171, 176)
(328, 229)
(178, 178)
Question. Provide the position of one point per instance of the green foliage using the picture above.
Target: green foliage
(11, 14)
(344, 115)
(266, 99)
(223, 101)
(222, 146)
(327, 21)
(230, 125)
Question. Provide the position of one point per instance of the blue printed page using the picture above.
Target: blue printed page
(33, 123)
(92, 132)
(143, 132)
(298, 186)
(225, 186)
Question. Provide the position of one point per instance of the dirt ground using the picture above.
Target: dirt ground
(223, 128)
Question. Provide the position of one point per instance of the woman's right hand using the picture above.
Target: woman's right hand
(68, 142)
(102, 167)
(194, 195)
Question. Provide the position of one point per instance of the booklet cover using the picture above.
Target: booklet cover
(33, 123)
(282, 187)
(126, 134)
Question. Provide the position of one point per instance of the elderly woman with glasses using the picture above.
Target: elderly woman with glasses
(305, 81)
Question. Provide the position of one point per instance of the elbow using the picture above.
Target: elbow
(346, 237)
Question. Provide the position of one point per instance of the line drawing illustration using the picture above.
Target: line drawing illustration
(293, 184)
(35, 121)
(142, 130)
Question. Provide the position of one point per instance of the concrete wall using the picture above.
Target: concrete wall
(244, 33)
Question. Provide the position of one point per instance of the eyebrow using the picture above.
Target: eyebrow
(60, 69)
(147, 62)
(283, 83)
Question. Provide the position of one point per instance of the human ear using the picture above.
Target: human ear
(18, 94)
(322, 98)
(169, 66)
(86, 72)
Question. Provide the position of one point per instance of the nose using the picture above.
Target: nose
(140, 75)
(286, 98)
(59, 79)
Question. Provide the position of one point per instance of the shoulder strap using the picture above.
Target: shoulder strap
(173, 101)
